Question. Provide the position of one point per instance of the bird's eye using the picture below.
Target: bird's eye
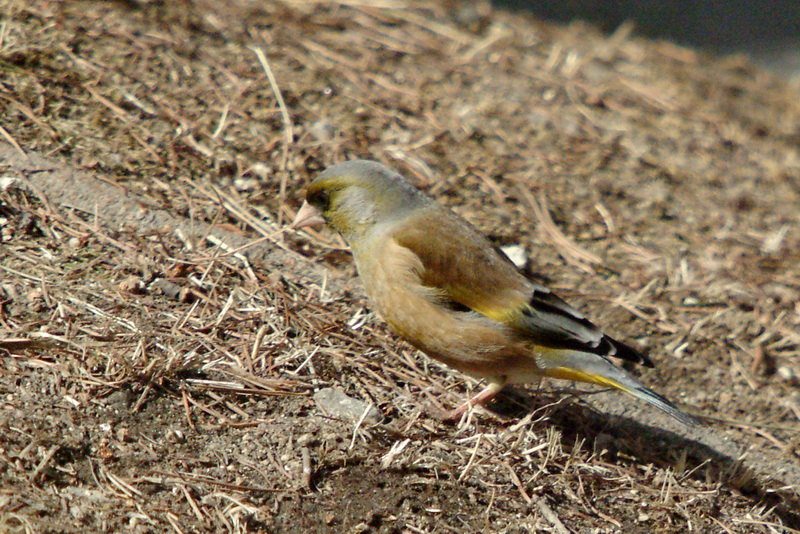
(320, 199)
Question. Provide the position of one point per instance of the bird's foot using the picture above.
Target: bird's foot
(487, 394)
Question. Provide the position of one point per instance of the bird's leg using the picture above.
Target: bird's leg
(488, 393)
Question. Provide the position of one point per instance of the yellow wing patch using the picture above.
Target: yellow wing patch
(501, 305)
(498, 311)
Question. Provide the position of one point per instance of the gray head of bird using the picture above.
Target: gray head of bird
(355, 197)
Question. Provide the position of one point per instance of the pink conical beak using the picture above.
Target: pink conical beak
(307, 216)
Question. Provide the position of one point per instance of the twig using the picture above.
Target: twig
(307, 472)
(287, 121)
(551, 516)
(518, 483)
(571, 252)
(13, 142)
(48, 457)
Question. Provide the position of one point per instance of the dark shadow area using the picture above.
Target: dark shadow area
(718, 26)
(767, 31)
(628, 441)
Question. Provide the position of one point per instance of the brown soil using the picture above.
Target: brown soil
(156, 377)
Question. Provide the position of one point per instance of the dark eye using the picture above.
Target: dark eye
(320, 199)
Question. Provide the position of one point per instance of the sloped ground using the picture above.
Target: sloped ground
(156, 377)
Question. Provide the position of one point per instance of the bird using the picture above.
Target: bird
(442, 286)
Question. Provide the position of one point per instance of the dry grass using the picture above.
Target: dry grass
(161, 335)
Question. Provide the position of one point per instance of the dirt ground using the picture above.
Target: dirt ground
(162, 337)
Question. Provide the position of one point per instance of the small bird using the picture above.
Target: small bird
(446, 289)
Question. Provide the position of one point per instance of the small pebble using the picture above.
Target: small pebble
(336, 404)
(785, 373)
(322, 131)
(517, 255)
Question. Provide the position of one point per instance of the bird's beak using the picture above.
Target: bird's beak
(307, 216)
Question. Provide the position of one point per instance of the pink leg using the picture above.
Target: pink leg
(488, 393)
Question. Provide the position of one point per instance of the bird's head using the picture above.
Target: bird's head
(355, 196)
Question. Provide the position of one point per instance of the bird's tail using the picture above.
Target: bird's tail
(593, 369)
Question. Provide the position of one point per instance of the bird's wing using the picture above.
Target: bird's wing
(469, 272)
